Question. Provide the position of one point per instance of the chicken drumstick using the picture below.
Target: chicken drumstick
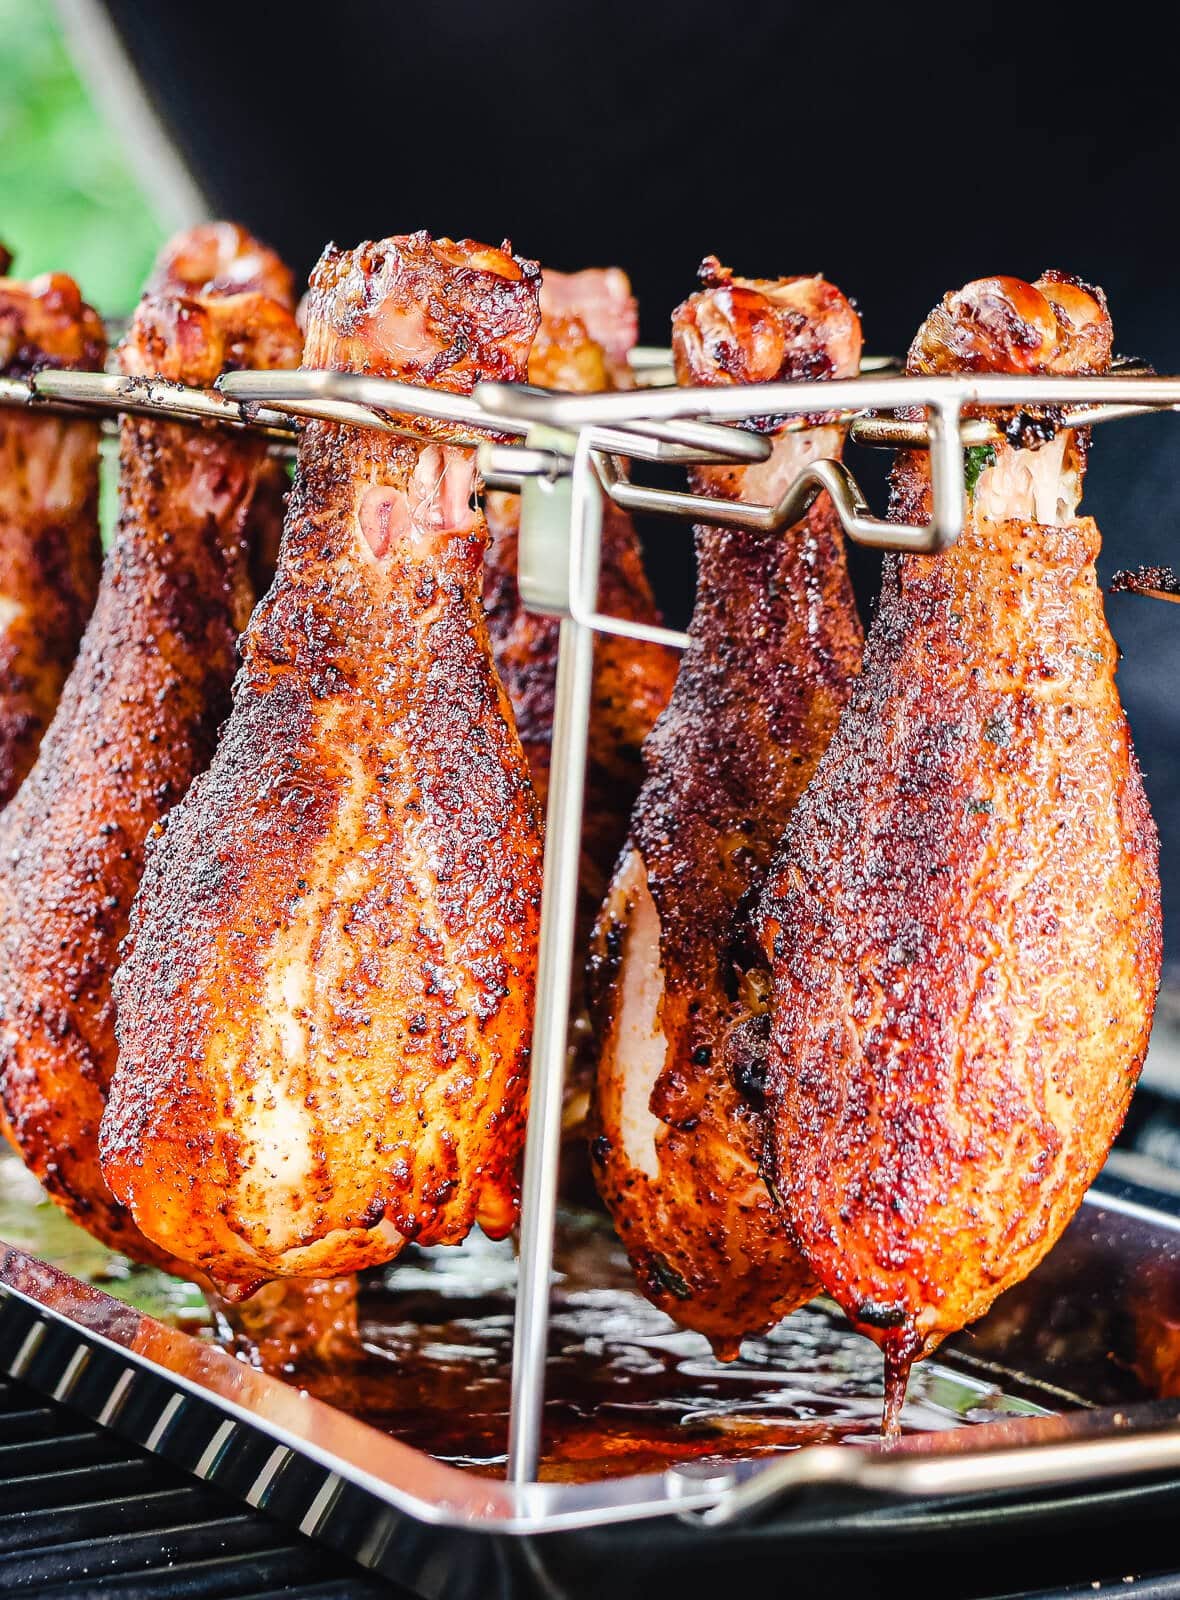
(49, 548)
(139, 713)
(775, 641)
(964, 919)
(325, 1004)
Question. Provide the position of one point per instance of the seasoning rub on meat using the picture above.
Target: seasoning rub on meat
(49, 547)
(140, 711)
(964, 918)
(325, 1004)
(775, 641)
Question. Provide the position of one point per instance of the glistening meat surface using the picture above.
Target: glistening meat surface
(325, 1007)
(139, 714)
(775, 642)
(964, 919)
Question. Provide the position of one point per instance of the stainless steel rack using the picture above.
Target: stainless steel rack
(566, 454)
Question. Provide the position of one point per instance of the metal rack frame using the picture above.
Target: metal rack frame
(565, 454)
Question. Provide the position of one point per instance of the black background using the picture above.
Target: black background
(899, 149)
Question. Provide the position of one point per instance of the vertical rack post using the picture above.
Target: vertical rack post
(948, 483)
(575, 502)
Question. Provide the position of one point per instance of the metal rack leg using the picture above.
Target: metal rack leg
(559, 902)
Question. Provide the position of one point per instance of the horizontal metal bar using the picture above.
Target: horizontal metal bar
(624, 628)
(305, 388)
(891, 433)
(691, 424)
(316, 393)
(19, 394)
(736, 403)
(361, 416)
(368, 402)
(642, 356)
(15, 392)
(651, 366)
(712, 442)
(1090, 416)
(301, 395)
(636, 497)
(652, 446)
(156, 397)
(505, 466)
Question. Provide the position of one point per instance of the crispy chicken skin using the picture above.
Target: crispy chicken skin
(325, 1003)
(137, 719)
(964, 917)
(775, 641)
(50, 554)
(632, 679)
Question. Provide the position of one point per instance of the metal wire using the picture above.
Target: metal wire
(321, 394)
(574, 514)
(656, 422)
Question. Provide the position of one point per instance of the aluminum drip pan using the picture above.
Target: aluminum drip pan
(1071, 1385)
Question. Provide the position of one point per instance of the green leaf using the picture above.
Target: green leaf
(976, 460)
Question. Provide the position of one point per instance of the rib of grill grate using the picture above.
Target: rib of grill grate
(83, 1514)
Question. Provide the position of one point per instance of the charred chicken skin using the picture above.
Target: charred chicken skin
(50, 554)
(964, 918)
(632, 679)
(137, 719)
(325, 1003)
(775, 641)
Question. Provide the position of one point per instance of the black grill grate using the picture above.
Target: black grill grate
(84, 1514)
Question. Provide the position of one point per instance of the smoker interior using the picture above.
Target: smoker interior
(86, 1512)
(1098, 1324)
(627, 1392)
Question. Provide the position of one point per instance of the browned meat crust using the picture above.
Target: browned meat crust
(775, 641)
(221, 258)
(325, 1003)
(137, 719)
(49, 547)
(964, 916)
